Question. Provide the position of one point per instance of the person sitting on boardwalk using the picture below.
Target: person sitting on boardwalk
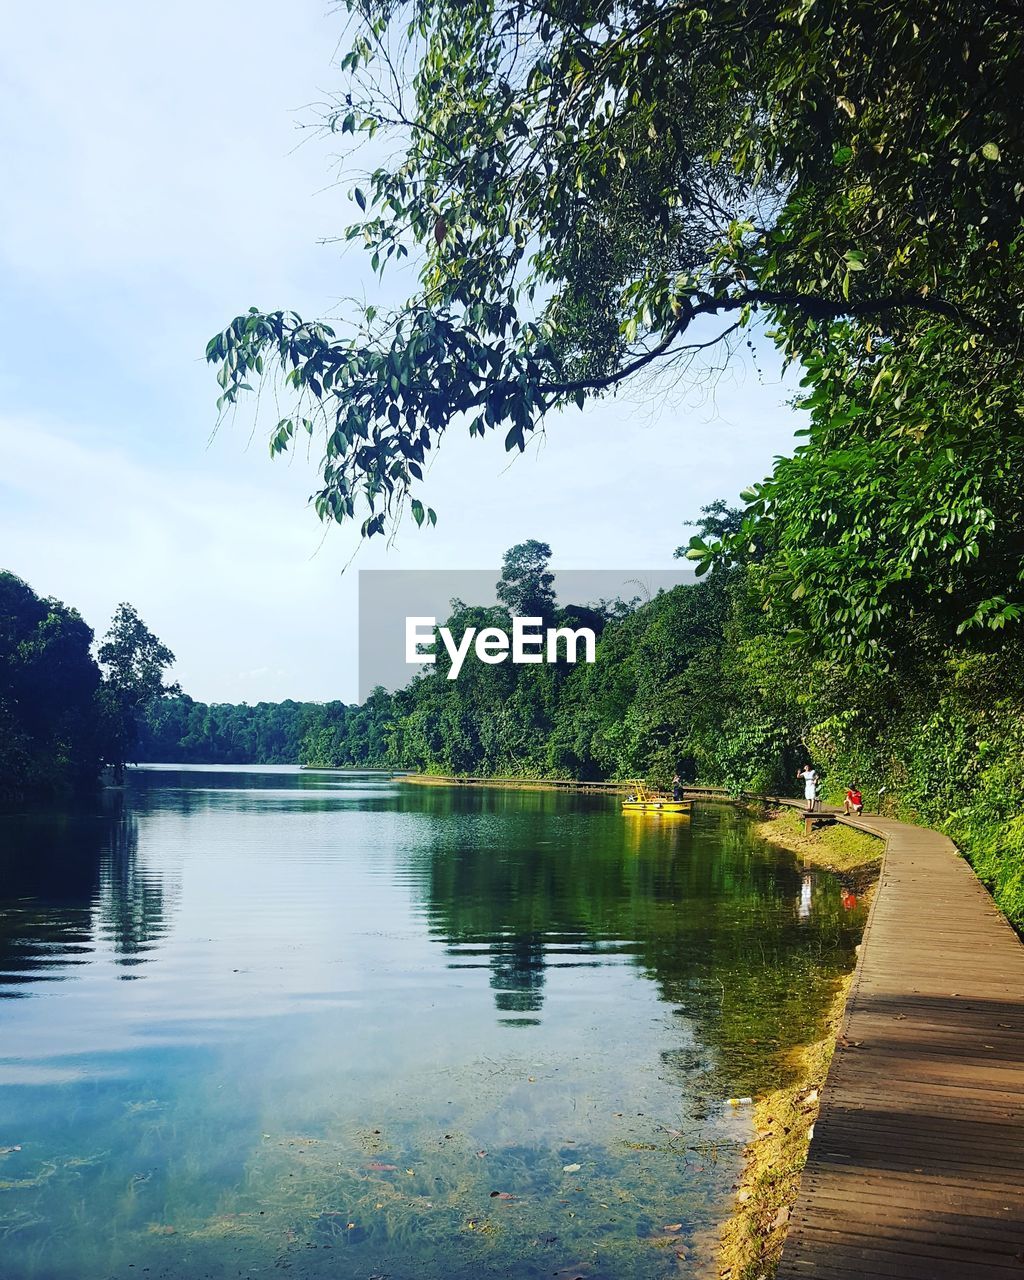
(810, 781)
(854, 802)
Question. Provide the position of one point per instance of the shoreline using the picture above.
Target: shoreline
(837, 848)
(514, 784)
(752, 1238)
(578, 786)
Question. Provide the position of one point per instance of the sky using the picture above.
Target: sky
(160, 175)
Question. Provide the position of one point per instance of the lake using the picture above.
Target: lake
(258, 1019)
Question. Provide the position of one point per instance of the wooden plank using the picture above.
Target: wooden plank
(824, 1260)
(863, 1214)
(886, 1255)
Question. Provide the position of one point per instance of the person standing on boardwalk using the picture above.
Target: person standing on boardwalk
(810, 780)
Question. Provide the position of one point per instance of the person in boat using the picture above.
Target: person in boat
(809, 777)
(854, 802)
(677, 788)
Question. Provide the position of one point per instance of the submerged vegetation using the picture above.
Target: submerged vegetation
(553, 1009)
(753, 1237)
(594, 192)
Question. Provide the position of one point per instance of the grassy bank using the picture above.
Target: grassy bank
(833, 848)
(751, 1242)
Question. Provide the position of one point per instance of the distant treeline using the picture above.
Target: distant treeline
(649, 705)
(180, 730)
(183, 731)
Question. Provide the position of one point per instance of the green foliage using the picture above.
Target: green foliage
(943, 737)
(592, 192)
(135, 662)
(525, 585)
(178, 730)
(61, 719)
(904, 503)
(701, 680)
(667, 678)
(50, 735)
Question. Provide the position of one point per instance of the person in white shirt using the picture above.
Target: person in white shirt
(809, 777)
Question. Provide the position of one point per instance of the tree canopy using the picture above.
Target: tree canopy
(61, 718)
(50, 734)
(594, 190)
(525, 586)
(135, 661)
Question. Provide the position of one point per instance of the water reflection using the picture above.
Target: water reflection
(131, 906)
(517, 976)
(72, 887)
(373, 1004)
(705, 911)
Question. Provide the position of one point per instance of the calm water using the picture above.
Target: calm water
(256, 1020)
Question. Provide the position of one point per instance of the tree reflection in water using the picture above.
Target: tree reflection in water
(517, 973)
(702, 907)
(130, 907)
(74, 887)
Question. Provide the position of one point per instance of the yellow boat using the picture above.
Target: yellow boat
(641, 800)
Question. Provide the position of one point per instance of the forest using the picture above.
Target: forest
(284, 1017)
(699, 679)
(179, 730)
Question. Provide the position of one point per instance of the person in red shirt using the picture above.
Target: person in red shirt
(854, 802)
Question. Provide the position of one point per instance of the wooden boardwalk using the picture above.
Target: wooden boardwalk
(916, 1165)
